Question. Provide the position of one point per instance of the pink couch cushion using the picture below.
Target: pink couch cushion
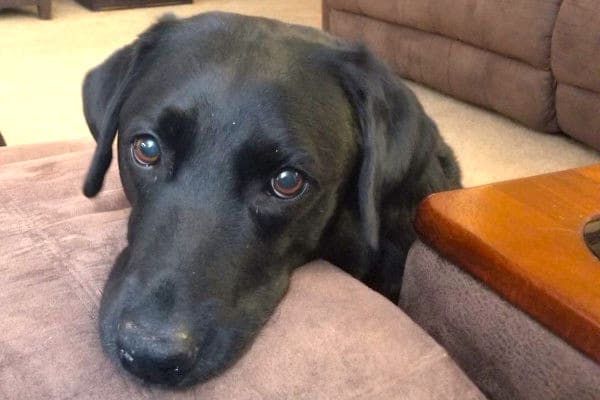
(515, 28)
(331, 337)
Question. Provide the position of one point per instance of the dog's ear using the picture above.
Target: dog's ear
(104, 90)
(394, 130)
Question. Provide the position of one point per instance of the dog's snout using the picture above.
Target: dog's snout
(163, 358)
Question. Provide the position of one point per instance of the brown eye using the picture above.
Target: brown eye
(288, 183)
(145, 150)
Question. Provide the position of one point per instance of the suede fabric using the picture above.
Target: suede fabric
(331, 337)
(514, 28)
(479, 76)
(576, 44)
(509, 355)
(578, 112)
(576, 65)
(32, 151)
(529, 60)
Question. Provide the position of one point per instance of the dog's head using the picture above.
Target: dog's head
(240, 141)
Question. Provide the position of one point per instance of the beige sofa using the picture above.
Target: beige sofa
(535, 61)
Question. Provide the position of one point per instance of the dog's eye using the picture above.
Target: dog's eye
(288, 183)
(145, 150)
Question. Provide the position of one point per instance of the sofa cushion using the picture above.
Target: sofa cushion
(514, 28)
(578, 113)
(331, 337)
(469, 73)
(32, 151)
(508, 354)
(576, 44)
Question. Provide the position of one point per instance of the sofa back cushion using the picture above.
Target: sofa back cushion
(515, 28)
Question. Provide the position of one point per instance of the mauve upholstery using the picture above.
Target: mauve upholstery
(576, 65)
(330, 338)
(482, 77)
(578, 112)
(33, 151)
(535, 61)
(508, 354)
(514, 28)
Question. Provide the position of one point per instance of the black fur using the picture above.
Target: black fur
(232, 100)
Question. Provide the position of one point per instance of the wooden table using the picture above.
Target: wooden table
(524, 239)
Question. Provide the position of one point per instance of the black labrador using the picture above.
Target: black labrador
(248, 147)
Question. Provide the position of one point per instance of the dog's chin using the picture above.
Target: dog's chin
(221, 350)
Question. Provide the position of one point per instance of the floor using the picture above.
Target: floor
(42, 64)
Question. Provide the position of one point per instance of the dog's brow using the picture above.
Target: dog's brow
(258, 159)
(177, 128)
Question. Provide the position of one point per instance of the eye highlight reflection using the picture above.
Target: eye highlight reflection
(145, 150)
(288, 184)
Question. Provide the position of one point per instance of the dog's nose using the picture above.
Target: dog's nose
(155, 357)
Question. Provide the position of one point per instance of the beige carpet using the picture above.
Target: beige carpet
(42, 64)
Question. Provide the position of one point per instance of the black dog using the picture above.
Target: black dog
(248, 147)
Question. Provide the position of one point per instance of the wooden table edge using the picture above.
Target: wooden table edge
(462, 247)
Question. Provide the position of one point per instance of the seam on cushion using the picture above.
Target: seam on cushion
(83, 291)
(593, 92)
(433, 357)
(90, 295)
(73, 217)
(550, 39)
(423, 363)
(562, 4)
(551, 63)
(21, 218)
(10, 209)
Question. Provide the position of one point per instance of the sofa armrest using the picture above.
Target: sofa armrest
(506, 353)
